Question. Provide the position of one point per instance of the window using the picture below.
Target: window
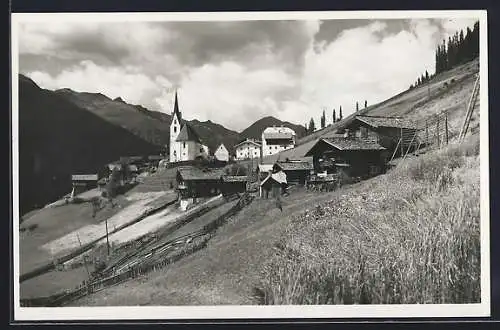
(201, 149)
(184, 144)
(175, 129)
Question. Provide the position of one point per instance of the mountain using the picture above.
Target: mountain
(255, 130)
(152, 126)
(58, 138)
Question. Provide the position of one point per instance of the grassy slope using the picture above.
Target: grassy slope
(411, 236)
(229, 269)
(418, 103)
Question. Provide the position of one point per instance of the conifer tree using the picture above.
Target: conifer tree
(334, 116)
(323, 120)
(312, 127)
(357, 106)
(340, 113)
(366, 104)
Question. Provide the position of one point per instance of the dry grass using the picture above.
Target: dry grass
(411, 236)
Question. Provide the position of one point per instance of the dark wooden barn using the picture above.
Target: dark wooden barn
(233, 184)
(275, 183)
(386, 131)
(297, 172)
(352, 157)
(193, 182)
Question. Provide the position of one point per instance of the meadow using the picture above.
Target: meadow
(409, 236)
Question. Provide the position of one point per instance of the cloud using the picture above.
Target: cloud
(234, 73)
(128, 82)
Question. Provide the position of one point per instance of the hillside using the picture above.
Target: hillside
(57, 138)
(152, 126)
(448, 91)
(254, 131)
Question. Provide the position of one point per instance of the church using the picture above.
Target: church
(185, 144)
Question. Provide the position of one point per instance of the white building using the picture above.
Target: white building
(222, 154)
(247, 149)
(276, 139)
(185, 144)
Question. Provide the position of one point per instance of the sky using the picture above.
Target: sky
(236, 72)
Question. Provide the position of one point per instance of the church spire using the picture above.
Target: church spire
(176, 108)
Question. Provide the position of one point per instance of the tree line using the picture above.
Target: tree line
(458, 49)
(311, 127)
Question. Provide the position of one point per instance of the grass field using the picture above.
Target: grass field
(411, 236)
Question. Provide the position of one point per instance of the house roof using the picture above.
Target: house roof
(353, 144)
(187, 133)
(277, 135)
(376, 121)
(295, 166)
(235, 178)
(279, 177)
(256, 143)
(348, 144)
(191, 173)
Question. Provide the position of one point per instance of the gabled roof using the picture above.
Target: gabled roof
(277, 136)
(191, 173)
(235, 178)
(348, 144)
(376, 121)
(257, 144)
(353, 144)
(295, 166)
(279, 177)
(187, 133)
(265, 167)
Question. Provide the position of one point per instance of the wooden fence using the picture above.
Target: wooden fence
(143, 267)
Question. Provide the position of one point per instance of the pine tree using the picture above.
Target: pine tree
(426, 75)
(366, 104)
(340, 114)
(419, 81)
(323, 120)
(357, 106)
(312, 127)
(334, 116)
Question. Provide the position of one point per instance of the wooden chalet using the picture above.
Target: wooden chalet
(386, 131)
(263, 170)
(296, 171)
(275, 183)
(83, 182)
(352, 157)
(231, 184)
(193, 182)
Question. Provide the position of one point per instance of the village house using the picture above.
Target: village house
(386, 131)
(185, 144)
(297, 171)
(231, 184)
(276, 139)
(83, 182)
(348, 156)
(194, 183)
(275, 183)
(248, 149)
(222, 154)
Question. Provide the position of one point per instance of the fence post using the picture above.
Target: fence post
(437, 132)
(426, 132)
(446, 125)
(402, 142)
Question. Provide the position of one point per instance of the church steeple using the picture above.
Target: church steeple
(176, 112)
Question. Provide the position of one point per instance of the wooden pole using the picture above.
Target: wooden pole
(446, 126)
(107, 236)
(84, 260)
(426, 132)
(402, 142)
(437, 132)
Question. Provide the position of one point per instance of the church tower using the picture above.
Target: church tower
(175, 128)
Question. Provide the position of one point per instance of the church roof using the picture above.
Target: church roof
(187, 133)
(176, 112)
